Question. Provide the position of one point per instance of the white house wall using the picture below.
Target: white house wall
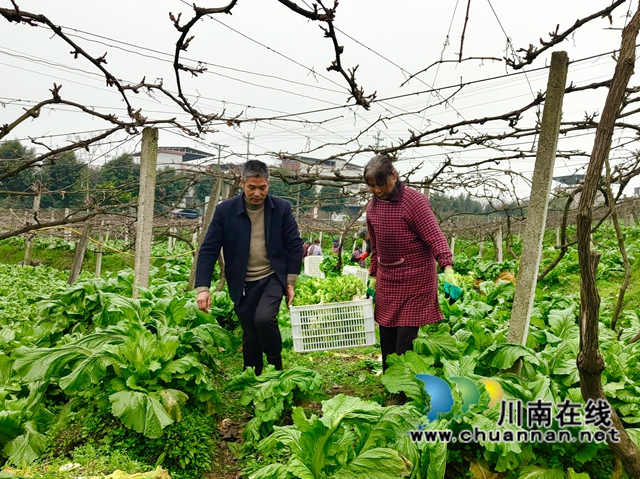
(168, 159)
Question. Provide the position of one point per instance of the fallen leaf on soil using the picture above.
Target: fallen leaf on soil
(157, 473)
(229, 430)
(480, 470)
(507, 276)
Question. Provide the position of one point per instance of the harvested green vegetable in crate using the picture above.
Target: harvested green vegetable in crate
(323, 315)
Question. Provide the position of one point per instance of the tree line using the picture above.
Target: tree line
(66, 181)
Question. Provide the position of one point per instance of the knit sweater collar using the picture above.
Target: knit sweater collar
(253, 207)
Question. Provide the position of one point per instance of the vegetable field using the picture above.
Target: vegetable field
(93, 381)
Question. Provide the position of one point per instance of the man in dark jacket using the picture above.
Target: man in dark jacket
(263, 254)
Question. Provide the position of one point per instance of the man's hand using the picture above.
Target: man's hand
(290, 294)
(203, 301)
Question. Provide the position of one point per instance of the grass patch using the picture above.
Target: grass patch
(62, 258)
(346, 371)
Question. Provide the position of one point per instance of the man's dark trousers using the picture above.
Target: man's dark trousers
(257, 311)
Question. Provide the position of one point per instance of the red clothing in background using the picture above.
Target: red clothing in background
(406, 241)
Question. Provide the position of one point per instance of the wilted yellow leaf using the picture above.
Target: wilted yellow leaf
(480, 470)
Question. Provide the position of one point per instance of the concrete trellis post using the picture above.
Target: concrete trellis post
(67, 233)
(194, 237)
(144, 230)
(539, 201)
(99, 251)
(497, 242)
(78, 258)
(53, 218)
(28, 252)
(171, 242)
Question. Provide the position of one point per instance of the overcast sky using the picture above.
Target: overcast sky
(266, 61)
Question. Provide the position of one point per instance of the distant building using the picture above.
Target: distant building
(569, 180)
(568, 183)
(307, 165)
(337, 168)
(183, 158)
(636, 192)
(179, 157)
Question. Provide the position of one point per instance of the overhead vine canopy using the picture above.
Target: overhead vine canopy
(454, 94)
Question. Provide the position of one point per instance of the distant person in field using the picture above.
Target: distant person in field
(315, 249)
(363, 234)
(262, 250)
(335, 245)
(305, 249)
(406, 242)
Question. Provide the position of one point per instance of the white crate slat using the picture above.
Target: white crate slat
(312, 266)
(322, 327)
(358, 272)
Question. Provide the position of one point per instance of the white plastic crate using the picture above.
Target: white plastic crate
(312, 266)
(320, 327)
(358, 272)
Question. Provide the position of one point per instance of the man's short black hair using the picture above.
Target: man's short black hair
(255, 169)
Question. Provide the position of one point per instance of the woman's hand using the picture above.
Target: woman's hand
(449, 276)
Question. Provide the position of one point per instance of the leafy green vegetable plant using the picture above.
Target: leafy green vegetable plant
(23, 420)
(143, 359)
(273, 395)
(353, 438)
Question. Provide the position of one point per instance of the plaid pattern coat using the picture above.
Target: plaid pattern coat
(406, 242)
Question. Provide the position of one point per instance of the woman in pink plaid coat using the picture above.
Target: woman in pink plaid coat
(406, 242)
